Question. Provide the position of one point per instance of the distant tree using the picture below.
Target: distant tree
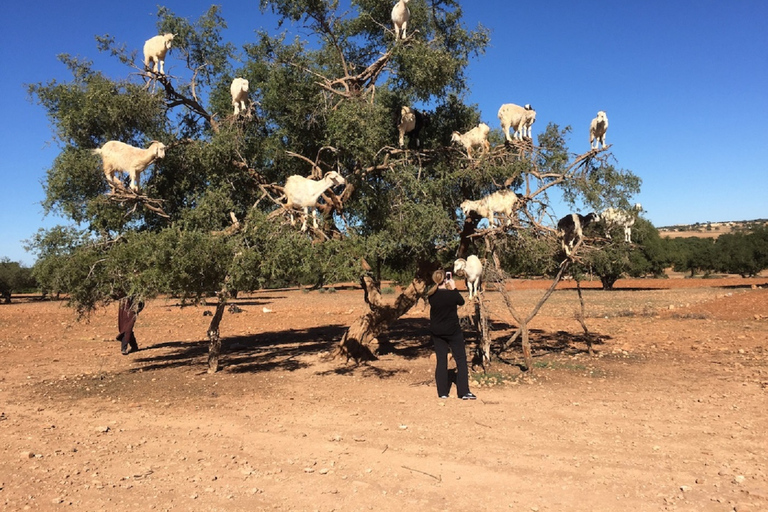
(613, 259)
(14, 278)
(743, 253)
(649, 256)
(693, 254)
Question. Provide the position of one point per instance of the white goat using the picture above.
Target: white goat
(477, 136)
(400, 16)
(597, 130)
(155, 49)
(473, 272)
(502, 201)
(239, 90)
(118, 156)
(570, 229)
(303, 193)
(613, 218)
(517, 117)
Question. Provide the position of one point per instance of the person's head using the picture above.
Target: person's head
(438, 277)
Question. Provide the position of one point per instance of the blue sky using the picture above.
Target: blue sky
(684, 84)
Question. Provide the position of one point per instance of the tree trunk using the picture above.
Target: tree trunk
(214, 347)
(527, 356)
(581, 318)
(523, 322)
(361, 339)
(467, 230)
(479, 320)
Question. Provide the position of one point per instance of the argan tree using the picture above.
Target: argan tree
(209, 219)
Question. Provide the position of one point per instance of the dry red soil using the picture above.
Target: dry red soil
(669, 414)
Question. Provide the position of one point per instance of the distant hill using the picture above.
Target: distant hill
(709, 229)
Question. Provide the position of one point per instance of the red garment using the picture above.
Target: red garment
(126, 319)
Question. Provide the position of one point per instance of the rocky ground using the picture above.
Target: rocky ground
(669, 414)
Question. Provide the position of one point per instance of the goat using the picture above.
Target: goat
(597, 130)
(239, 90)
(570, 229)
(303, 193)
(501, 201)
(473, 272)
(613, 218)
(517, 117)
(155, 49)
(477, 136)
(118, 156)
(411, 122)
(400, 16)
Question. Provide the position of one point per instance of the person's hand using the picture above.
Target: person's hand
(450, 284)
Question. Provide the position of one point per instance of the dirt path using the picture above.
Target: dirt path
(670, 414)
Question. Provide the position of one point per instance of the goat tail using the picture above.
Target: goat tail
(96, 151)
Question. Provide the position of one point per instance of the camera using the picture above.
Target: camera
(448, 276)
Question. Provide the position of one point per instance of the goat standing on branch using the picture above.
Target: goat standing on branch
(597, 130)
(119, 156)
(472, 268)
(517, 117)
(155, 49)
(477, 136)
(301, 192)
(502, 201)
(400, 16)
(570, 229)
(614, 218)
(411, 123)
(239, 90)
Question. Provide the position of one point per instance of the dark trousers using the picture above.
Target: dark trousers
(454, 343)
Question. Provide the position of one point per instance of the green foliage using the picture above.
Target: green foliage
(649, 256)
(358, 129)
(694, 255)
(527, 255)
(610, 263)
(14, 278)
(200, 43)
(741, 253)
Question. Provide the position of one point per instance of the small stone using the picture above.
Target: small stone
(27, 455)
(739, 479)
(685, 488)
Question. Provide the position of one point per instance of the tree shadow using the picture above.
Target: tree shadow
(408, 338)
(743, 286)
(244, 301)
(545, 343)
(285, 350)
(247, 354)
(366, 369)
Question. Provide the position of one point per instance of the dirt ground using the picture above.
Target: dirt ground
(670, 414)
